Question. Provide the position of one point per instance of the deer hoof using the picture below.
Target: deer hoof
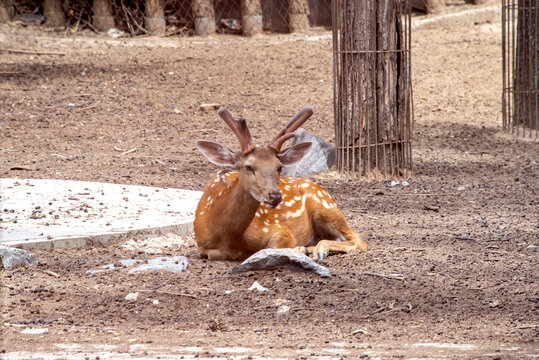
(303, 249)
(320, 254)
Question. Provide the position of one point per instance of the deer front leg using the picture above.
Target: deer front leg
(282, 239)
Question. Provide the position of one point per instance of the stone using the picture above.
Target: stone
(13, 257)
(131, 296)
(319, 158)
(174, 264)
(268, 259)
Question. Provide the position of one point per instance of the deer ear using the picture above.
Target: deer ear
(294, 153)
(216, 153)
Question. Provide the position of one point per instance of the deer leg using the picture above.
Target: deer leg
(332, 225)
(282, 239)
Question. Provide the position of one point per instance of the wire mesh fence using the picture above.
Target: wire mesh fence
(520, 36)
(131, 16)
(373, 88)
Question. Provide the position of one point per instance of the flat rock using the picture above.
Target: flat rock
(268, 259)
(13, 257)
(319, 158)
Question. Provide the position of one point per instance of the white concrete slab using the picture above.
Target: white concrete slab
(49, 214)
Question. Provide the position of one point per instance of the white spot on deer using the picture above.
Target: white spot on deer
(325, 204)
(257, 214)
(287, 187)
(297, 198)
(265, 230)
(305, 185)
(320, 194)
(201, 213)
(289, 203)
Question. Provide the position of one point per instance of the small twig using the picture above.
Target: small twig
(369, 216)
(465, 238)
(32, 52)
(427, 194)
(51, 273)
(393, 277)
(78, 21)
(118, 148)
(169, 293)
(89, 24)
(128, 151)
(531, 326)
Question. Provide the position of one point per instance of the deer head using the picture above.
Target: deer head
(259, 167)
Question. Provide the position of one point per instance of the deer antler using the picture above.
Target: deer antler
(239, 127)
(292, 125)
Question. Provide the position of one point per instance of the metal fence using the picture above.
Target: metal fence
(373, 88)
(128, 15)
(520, 36)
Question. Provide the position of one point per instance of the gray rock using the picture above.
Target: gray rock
(175, 264)
(13, 257)
(319, 158)
(268, 259)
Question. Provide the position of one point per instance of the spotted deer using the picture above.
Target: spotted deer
(251, 207)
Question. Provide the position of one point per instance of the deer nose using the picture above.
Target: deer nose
(275, 197)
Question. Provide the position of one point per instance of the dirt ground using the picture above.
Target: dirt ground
(467, 273)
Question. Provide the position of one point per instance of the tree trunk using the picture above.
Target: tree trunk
(298, 15)
(204, 16)
(53, 12)
(7, 11)
(525, 76)
(154, 17)
(251, 17)
(372, 94)
(102, 18)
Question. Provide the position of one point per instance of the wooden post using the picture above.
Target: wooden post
(154, 17)
(251, 17)
(372, 88)
(526, 94)
(54, 14)
(7, 12)
(434, 6)
(102, 18)
(204, 15)
(298, 11)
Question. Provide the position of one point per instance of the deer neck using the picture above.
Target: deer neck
(239, 207)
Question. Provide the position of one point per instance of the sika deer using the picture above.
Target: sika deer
(254, 208)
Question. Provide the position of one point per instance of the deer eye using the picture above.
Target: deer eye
(249, 169)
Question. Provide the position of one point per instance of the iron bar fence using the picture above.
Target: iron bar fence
(520, 99)
(372, 87)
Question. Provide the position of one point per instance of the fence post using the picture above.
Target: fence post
(54, 14)
(298, 11)
(154, 17)
(204, 16)
(372, 94)
(7, 12)
(102, 18)
(251, 17)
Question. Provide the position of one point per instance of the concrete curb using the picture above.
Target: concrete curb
(462, 18)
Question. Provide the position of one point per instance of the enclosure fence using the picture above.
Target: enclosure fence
(174, 17)
(520, 36)
(372, 87)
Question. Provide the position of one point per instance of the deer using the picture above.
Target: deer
(248, 206)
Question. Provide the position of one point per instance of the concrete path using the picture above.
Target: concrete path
(51, 214)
